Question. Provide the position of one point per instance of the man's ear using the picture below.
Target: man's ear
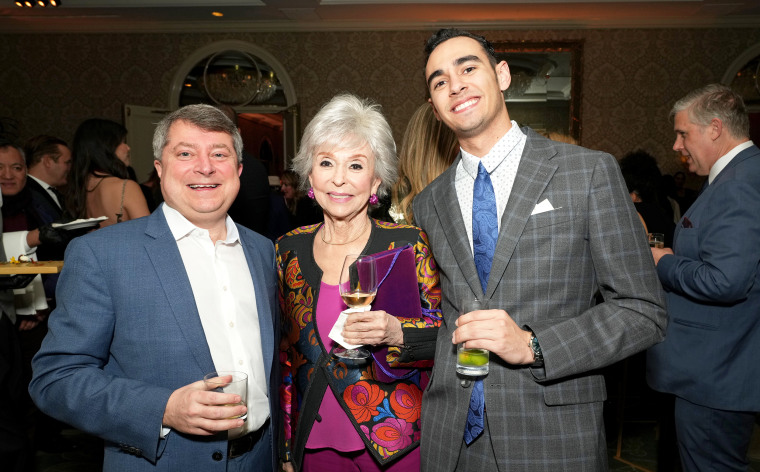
(157, 165)
(503, 75)
(716, 128)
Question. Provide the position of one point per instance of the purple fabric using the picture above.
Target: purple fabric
(335, 431)
(398, 293)
(329, 461)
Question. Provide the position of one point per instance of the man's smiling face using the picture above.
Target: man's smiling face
(200, 173)
(465, 88)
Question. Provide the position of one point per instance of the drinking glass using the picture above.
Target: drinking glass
(237, 383)
(656, 240)
(358, 287)
(472, 361)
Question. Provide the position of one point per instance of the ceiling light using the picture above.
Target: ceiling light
(42, 3)
(217, 13)
(55, 3)
(28, 3)
(19, 3)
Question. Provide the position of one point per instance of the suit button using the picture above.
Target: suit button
(217, 456)
(465, 383)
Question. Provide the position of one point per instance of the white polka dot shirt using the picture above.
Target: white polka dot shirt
(501, 162)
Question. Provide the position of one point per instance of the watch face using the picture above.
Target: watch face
(536, 348)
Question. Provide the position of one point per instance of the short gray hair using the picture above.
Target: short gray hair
(205, 117)
(10, 145)
(348, 121)
(716, 101)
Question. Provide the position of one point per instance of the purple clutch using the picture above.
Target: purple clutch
(398, 294)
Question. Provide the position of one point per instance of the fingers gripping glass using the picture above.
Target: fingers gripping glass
(358, 287)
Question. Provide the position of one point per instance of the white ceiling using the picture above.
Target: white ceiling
(336, 15)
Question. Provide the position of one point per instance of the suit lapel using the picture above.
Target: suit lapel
(704, 195)
(256, 266)
(450, 215)
(167, 262)
(533, 175)
(43, 191)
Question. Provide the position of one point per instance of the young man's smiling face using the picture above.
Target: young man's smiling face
(466, 90)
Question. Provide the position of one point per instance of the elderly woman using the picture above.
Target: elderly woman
(342, 415)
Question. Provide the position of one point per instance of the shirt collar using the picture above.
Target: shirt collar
(181, 227)
(721, 163)
(44, 184)
(503, 147)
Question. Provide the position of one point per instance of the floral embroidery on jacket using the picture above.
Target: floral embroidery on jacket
(386, 414)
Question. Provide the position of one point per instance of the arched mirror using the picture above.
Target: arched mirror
(545, 92)
(241, 75)
(252, 81)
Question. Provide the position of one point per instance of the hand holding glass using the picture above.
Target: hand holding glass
(472, 361)
(358, 287)
(229, 382)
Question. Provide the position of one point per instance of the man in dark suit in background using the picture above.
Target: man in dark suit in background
(562, 228)
(251, 207)
(48, 160)
(710, 358)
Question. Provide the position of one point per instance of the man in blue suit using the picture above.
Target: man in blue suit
(710, 359)
(147, 307)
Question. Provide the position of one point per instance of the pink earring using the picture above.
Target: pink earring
(310, 193)
(373, 200)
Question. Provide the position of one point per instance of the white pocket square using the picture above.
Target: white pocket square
(542, 207)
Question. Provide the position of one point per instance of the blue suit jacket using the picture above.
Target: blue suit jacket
(711, 352)
(126, 333)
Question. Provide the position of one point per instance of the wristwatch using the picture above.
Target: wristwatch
(538, 355)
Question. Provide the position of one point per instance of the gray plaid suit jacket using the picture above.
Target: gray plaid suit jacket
(547, 270)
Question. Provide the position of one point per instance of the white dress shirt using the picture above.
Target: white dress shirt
(501, 162)
(721, 163)
(226, 301)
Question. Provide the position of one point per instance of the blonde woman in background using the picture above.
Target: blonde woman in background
(428, 148)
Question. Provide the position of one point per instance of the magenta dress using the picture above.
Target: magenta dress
(335, 430)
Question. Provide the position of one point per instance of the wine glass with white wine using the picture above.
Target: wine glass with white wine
(358, 287)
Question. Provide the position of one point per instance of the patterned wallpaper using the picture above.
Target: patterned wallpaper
(631, 77)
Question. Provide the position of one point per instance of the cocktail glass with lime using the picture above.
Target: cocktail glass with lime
(472, 361)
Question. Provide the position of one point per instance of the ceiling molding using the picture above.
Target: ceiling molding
(167, 16)
(34, 27)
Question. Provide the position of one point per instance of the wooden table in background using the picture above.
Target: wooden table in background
(41, 267)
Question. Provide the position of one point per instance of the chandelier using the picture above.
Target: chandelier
(521, 81)
(234, 78)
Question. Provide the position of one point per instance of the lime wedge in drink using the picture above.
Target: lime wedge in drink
(473, 357)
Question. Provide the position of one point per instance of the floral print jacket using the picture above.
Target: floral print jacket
(386, 414)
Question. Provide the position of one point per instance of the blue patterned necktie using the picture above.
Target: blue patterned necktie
(485, 232)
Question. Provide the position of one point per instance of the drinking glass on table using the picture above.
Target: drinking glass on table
(656, 240)
(229, 382)
(358, 287)
(472, 361)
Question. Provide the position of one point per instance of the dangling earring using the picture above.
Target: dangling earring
(373, 200)
(310, 193)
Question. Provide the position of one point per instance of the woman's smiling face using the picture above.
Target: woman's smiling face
(343, 179)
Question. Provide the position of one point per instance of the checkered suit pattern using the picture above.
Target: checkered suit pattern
(547, 270)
